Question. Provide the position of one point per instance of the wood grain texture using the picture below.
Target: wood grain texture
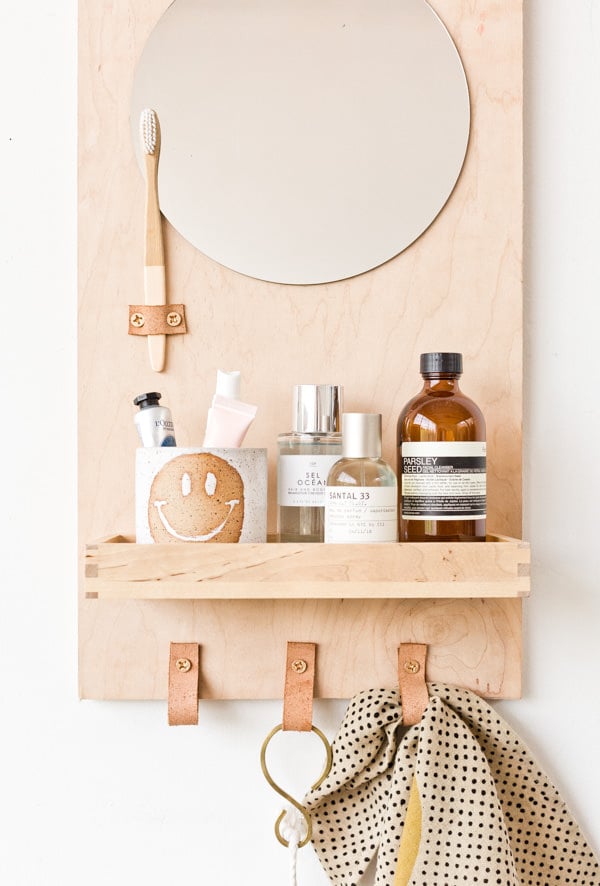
(456, 288)
(471, 643)
(121, 570)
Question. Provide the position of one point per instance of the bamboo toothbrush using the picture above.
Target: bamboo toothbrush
(154, 256)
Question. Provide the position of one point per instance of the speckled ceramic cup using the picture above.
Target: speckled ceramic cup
(200, 496)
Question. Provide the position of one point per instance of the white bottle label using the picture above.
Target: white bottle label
(443, 481)
(361, 514)
(301, 480)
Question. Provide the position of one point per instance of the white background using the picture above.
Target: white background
(100, 793)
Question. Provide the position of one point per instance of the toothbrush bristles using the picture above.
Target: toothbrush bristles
(148, 130)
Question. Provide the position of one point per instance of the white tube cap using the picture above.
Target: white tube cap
(228, 384)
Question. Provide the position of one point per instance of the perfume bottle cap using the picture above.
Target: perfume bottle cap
(316, 409)
(361, 435)
(440, 362)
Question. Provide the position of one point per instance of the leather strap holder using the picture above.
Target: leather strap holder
(299, 687)
(156, 320)
(184, 684)
(411, 680)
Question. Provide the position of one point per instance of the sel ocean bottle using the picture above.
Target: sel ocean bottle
(306, 455)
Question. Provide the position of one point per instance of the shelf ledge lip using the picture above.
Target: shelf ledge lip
(129, 539)
(118, 569)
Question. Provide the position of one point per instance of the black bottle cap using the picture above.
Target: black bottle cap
(441, 363)
(144, 400)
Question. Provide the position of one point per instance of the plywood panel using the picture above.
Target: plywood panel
(457, 288)
(472, 643)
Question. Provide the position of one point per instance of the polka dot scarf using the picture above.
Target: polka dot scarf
(458, 798)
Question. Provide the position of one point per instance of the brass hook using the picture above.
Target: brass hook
(284, 794)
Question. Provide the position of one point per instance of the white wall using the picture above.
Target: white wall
(106, 792)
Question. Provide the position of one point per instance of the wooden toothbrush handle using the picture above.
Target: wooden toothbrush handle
(156, 294)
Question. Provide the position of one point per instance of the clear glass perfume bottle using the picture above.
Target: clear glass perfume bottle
(361, 503)
(305, 456)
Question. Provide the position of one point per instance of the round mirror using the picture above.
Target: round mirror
(303, 141)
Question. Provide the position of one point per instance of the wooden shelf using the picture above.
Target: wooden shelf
(242, 602)
(118, 569)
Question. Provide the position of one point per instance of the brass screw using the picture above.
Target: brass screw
(137, 320)
(299, 666)
(412, 666)
(173, 318)
(184, 665)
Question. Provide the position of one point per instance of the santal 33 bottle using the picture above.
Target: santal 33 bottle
(306, 455)
(361, 503)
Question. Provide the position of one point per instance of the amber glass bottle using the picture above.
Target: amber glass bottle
(441, 458)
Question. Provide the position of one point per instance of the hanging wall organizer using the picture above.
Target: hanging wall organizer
(458, 287)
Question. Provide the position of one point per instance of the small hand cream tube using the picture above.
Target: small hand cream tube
(228, 418)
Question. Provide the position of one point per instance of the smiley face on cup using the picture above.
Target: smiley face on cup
(196, 498)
